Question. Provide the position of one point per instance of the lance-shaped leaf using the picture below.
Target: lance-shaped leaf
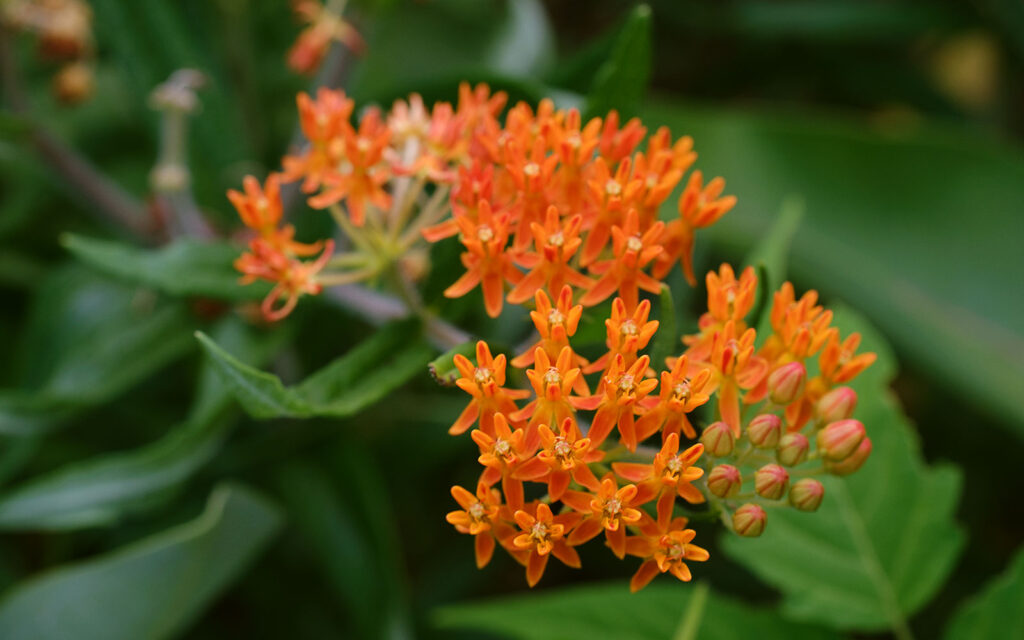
(611, 611)
(666, 340)
(884, 539)
(356, 380)
(996, 612)
(86, 342)
(104, 489)
(621, 81)
(185, 267)
(152, 588)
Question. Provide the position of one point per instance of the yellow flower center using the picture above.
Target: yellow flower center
(612, 188)
(553, 376)
(626, 383)
(502, 447)
(634, 244)
(476, 511)
(482, 376)
(556, 239)
(532, 169)
(628, 328)
(555, 317)
(484, 233)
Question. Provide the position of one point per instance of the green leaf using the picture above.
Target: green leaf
(879, 202)
(769, 257)
(153, 588)
(87, 342)
(361, 377)
(611, 611)
(103, 490)
(183, 268)
(621, 82)
(996, 612)
(884, 539)
(666, 341)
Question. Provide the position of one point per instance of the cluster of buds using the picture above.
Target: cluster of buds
(541, 201)
(770, 422)
(63, 29)
(324, 27)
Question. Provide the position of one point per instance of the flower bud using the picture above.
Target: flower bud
(837, 404)
(717, 439)
(786, 383)
(839, 439)
(792, 449)
(806, 494)
(725, 481)
(853, 462)
(765, 430)
(771, 481)
(749, 520)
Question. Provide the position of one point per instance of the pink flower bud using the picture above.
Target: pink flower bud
(771, 481)
(806, 494)
(839, 439)
(786, 383)
(717, 439)
(725, 481)
(837, 404)
(749, 520)
(792, 449)
(853, 462)
(765, 430)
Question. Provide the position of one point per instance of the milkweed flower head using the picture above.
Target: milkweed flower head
(576, 441)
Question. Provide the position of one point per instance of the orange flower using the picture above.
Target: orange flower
(485, 382)
(478, 105)
(553, 383)
(549, 264)
(665, 552)
(671, 471)
(608, 195)
(633, 252)
(839, 362)
(683, 389)
(611, 511)
(627, 333)
(313, 43)
(699, 207)
(324, 122)
(617, 144)
(563, 457)
(478, 518)
(736, 368)
(623, 389)
(259, 207)
(294, 278)
(544, 535)
(501, 454)
(801, 326)
(486, 260)
(574, 147)
(473, 185)
(555, 324)
(360, 175)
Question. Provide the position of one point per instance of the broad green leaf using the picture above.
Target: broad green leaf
(525, 41)
(996, 612)
(153, 588)
(621, 82)
(361, 377)
(884, 540)
(104, 489)
(611, 611)
(183, 268)
(908, 226)
(86, 342)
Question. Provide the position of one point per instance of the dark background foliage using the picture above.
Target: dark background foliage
(895, 124)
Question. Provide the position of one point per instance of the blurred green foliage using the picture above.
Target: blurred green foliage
(894, 126)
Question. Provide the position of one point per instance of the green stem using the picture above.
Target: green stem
(689, 626)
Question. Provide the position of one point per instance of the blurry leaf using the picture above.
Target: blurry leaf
(442, 368)
(153, 588)
(837, 20)
(621, 82)
(884, 540)
(997, 611)
(525, 42)
(666, 340)
(361, 377)
(184, 268)
(103, 490)
(611, 611)
(907, 224)
(88, 341)
(768, 257)
(339, 545)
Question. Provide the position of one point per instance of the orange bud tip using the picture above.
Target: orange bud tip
(725, 481)
(806, 494)
(765, 430)
(771, 481)
(749, 520)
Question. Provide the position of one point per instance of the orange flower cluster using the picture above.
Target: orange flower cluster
(558, 434)
(325, 25)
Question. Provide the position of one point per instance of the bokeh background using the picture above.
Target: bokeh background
(895, 126)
